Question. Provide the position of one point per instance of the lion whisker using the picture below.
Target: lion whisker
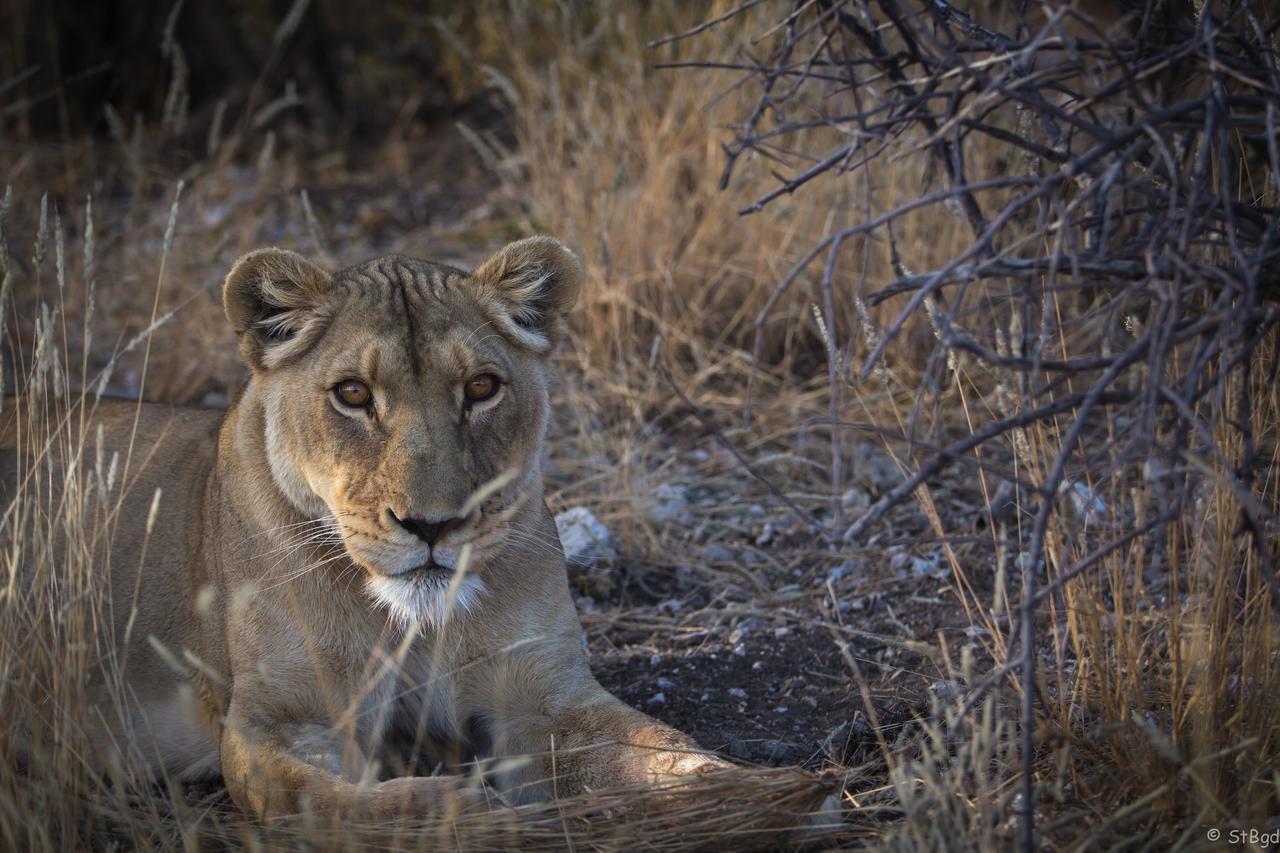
(327, 523)
(306, 570)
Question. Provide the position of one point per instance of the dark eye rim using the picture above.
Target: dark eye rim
(337, 394)
(493, 391)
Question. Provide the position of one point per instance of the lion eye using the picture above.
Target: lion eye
(352, 393)
(480, 388)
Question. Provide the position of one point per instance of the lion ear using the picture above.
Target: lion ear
(535, 282)
(278, 303)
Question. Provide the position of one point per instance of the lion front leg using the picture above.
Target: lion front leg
(595, 743)
(274, 769)
(608, 743)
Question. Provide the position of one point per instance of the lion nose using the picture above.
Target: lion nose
(428, 531)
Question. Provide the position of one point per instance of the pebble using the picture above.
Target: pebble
(947, 690)
(670, 504)
(775, 750)
(665, 683)
(917, 567)
(920, 567)
(1087, 505)
(737, 693)
(655, 659)
(1004, 502)
(657, 699)
(874, 469)
(838, 573)
(716, 553)
(586, 541)
(855, 500)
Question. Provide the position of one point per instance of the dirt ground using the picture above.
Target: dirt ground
(767, 676)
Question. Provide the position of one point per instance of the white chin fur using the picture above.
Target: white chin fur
(414, 598)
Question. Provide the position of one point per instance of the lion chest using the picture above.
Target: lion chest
(418, 708)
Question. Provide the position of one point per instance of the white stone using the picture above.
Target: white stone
(586, 541)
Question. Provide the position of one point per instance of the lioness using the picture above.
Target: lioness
(358, 549)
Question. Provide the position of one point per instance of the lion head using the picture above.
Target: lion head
(405, 403)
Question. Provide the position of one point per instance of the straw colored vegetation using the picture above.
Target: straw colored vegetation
(1157, 669)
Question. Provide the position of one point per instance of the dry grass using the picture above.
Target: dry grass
(55, 645)
(1162, 667)
(1159, 679)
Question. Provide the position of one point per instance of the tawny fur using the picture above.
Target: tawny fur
(269, 642)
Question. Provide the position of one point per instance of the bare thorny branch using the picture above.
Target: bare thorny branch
(1140, 230)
